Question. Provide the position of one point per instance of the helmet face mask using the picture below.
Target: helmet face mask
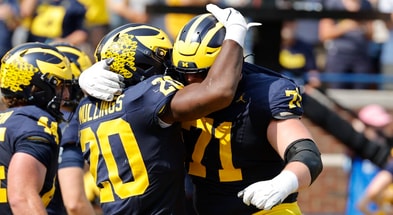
(79, 62)
(34, 72)
(198, 44)
(138, 51)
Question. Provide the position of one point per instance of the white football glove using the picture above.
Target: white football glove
(266, 194)
(233, 21)
(99, 82)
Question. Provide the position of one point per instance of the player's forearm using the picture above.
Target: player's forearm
(224, 75)
(302, 173)
(76, 37)
(329, 30)
(215, 92)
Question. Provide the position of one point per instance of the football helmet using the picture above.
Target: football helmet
(138, 51)
(198, 44)
(79, 61)
(32, 72)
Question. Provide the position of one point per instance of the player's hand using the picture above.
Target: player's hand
(99, 82)
(233, 21)
(266, 194)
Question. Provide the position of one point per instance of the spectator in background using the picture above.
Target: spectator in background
(386, 59)
(296, 58)
(126, 11)
(9, 20)
(173, 22)
(347, 42)
(373, 121)
(54, 21)
(97, 22)
(378, 197)
(307, 29)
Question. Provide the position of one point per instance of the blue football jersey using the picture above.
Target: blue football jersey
(33, 131)
(69, 129)
(228, 150)
(61, 17)
(137, 165)
(70, 155)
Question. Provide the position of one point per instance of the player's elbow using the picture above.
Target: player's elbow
(77, 207)
(307, 152)
(223, 98)
(223, 94)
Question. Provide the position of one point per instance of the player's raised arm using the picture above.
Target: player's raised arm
(214, 50)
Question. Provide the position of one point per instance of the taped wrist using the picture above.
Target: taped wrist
(305, 151)
(288, 181)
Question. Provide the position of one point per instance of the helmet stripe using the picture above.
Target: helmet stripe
(199, 43)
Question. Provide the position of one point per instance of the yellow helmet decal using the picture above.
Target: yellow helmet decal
(123, 50)
(59, 70)
(83, 60)
(184, 64)
(162, 40)
(16, 74)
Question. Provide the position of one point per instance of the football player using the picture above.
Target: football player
(32, 85)
(70, 197)
(255, 155)
(133, 143)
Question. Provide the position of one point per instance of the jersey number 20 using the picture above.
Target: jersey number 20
(99, 144)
